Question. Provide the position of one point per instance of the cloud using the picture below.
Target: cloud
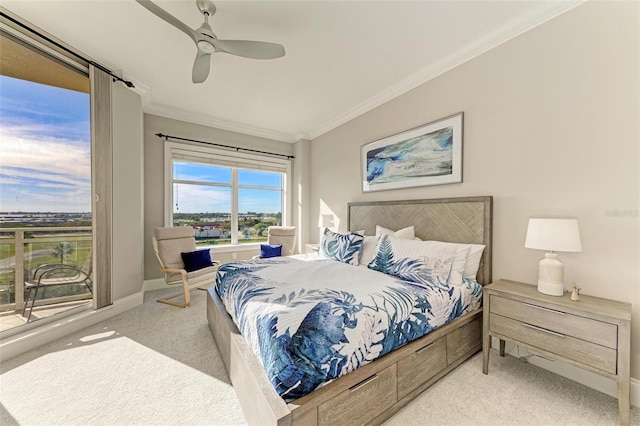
(43, 173)
(200, 199)
(49, 154)
(24, 128)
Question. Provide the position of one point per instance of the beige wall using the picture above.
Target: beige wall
(127, 222)
(154, 173)
(301, 199)
(551, 128)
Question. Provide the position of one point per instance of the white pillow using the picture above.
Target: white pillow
(473, 261)
(409, 232)
(421, 262)
(368, 250)
(461, 252)
(469, 269)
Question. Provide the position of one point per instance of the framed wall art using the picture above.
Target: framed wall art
(427, 155)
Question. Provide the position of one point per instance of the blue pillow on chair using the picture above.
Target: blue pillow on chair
(195, 260)
(267, 250)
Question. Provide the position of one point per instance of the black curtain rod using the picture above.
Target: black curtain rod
(55, 43)
(235, 148)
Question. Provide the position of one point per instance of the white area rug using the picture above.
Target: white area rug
(158, 365)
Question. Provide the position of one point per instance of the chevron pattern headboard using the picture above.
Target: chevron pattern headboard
(457, 220)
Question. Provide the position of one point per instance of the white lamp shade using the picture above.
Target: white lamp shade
(553, 234)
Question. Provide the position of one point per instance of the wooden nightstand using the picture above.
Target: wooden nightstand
(592, 333)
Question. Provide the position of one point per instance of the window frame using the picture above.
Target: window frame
(225, 158)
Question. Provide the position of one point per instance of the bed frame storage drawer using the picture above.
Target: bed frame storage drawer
(362, 402)
(418, 367)
(466, 338)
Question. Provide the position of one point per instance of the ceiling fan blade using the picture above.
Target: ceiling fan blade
(201, 67)
(250, 49)
(163, 14)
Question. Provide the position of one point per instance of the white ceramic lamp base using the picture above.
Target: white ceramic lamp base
(551, 275)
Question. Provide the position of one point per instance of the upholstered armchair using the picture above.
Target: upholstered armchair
(284, 235)
(172, 247)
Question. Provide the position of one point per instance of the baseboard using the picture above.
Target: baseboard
(23, 342)
(571, 372)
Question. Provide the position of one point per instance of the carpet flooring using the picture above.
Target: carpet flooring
(158, 365)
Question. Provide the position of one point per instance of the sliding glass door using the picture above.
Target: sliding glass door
(45, 184)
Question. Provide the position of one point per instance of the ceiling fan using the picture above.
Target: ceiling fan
(207, 42)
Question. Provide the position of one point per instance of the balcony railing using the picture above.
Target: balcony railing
(22, 250)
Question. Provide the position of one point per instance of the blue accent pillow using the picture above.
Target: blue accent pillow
(195, 260)
(341, 247)
(267, 251)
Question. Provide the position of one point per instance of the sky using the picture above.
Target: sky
(215, 199)
(45, 149)
(45, 159)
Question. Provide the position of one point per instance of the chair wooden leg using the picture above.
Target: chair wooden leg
(168, 301)
(186, 293)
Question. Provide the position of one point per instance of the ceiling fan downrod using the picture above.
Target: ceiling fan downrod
(207, 8)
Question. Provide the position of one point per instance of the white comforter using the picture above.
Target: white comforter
(310, 320)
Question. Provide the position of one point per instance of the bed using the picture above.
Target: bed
(376, 389)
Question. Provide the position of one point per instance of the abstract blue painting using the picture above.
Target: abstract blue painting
(428, 155)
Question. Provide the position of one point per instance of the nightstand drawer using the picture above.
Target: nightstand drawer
(597, 356)
(591, 330)
(420, 366)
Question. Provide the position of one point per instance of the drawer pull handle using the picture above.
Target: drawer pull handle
(553, 311)
(424, 348)
(363, 383)
(543, 330)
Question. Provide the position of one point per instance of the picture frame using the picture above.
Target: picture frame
(427, 155)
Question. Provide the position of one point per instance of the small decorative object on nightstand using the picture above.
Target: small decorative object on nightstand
(575, 293)
(594, 334)
(553, 235)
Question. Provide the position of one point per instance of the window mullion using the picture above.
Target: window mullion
(234, 205)
(196, 182)
(266, 188)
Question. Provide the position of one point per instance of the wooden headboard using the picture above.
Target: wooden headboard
(456, 220)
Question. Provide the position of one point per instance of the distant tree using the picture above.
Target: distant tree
(62, 250)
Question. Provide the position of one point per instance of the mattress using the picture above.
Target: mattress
(311, 320)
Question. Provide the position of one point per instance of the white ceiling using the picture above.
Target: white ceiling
(343, 58)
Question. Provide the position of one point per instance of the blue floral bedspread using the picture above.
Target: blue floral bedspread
(310, 320)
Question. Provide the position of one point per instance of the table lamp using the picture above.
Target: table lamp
(552, 235)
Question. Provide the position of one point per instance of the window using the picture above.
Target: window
(228, 198)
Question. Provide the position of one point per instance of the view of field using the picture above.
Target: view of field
(215, 228)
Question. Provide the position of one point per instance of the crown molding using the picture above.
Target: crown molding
(149, 107)
(545, 12)
(232, 126)
(527, 21)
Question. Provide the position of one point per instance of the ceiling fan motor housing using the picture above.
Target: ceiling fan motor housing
(207, 42)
